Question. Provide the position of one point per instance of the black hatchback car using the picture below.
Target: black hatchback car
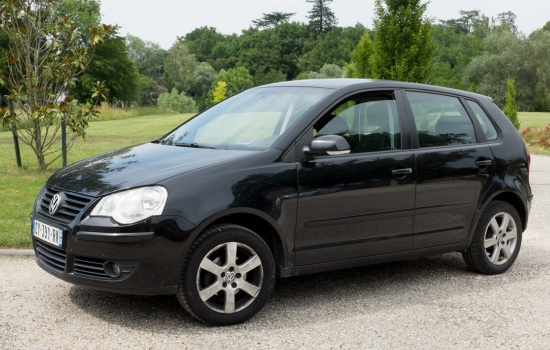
(288, 179)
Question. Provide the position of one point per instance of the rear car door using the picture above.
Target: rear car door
(360, 204)
(454, 165)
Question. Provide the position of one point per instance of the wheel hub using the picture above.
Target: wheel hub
(229, 277)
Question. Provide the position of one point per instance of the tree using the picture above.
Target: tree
(508, 19)
(44, 61)
(149, 57)
(546, 26)
(321, 18)
(111, 65)
(220, 92)
(148, 91)
(237, 79)
(179, 67)
(203, 78)
(85, 14)
(328, 71)
(273, 76)
(403, 47)
(202, 41)
(361, 64)
(511, 109)
(273, 19)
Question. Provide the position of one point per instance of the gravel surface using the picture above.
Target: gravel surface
(430, 303)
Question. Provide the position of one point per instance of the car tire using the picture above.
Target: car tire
(496, 241)
(220, 290)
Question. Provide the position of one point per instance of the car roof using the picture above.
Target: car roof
(338, 84)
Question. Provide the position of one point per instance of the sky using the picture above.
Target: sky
(162, 21)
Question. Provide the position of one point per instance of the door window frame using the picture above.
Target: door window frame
(472, 113)
(404, 126)
(479, 134)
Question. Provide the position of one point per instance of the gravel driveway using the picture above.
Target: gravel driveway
(428, 303)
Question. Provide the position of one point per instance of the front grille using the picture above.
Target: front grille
(51, 258)
(74, 204)
(95, 268)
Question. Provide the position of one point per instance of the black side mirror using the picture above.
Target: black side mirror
(331, 145)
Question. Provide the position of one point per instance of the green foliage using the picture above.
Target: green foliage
(328, 71)
(112, 65)
(546, 26)
(220, 92)
(361, 59)
(273, 76)
(202, 79)
(403, 47)
(178, 102)
(148, 91)
(321, 17)
(237, 79)
(511, 109)
(446, 76)
(302, 76)
(179, 68)
(271, 20)
(45, 57)
(147, 56)
(202, 41)
(85, 15)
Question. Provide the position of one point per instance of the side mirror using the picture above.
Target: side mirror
(331, 145)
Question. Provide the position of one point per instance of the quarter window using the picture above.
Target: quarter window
(369, 124)
(440, 120)
(488, 128)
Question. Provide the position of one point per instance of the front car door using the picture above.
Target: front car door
(453, 163)
(360, 204)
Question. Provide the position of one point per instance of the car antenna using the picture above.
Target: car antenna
(427, 80)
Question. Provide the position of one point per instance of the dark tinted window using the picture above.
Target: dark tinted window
(369, 124)
(488, 128)
(440, 120)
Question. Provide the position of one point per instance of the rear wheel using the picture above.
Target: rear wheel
(497, 240)
(227, 277)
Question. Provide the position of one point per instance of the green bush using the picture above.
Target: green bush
(177, 102)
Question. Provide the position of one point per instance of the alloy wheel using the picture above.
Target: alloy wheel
(230, 277)
(500, 238)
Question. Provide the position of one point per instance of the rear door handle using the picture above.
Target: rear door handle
(404, 171)
(484, 163)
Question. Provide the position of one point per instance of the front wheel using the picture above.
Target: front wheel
(227, 277)
(497, 239)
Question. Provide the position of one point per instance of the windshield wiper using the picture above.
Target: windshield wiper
(193, 145)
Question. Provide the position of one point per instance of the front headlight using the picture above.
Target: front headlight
(133, 205)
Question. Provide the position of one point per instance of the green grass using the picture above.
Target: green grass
(19, 187)
(534, 119)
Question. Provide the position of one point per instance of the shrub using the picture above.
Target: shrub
(177, 102)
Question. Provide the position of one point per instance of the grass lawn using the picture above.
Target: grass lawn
(19, 187)
(534, 119)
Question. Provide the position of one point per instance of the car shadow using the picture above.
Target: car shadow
(300, 299)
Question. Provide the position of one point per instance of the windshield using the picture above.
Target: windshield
(252, 120)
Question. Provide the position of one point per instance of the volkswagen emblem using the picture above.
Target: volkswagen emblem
(54, 204)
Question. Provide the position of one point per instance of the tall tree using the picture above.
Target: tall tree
(179, 68)
(403, 47)
(237, 80)
(45, 59)
(271, 20)
(546, 26)
(321, 17)
(111, 65)
(149, 57)
(508, 19)
(511, 109)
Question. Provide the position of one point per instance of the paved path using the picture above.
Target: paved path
(432, 303)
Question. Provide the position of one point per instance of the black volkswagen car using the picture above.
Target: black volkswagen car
(289, 179)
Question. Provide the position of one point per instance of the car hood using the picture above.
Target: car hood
(144, 164)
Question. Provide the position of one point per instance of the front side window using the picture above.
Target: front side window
(440, 120)
(488, 128)
(252, 120)
(368, 123)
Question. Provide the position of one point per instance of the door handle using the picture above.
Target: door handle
(484, 163)
(403, 171)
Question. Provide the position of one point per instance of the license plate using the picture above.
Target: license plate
(47, 233)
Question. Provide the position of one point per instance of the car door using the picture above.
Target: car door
(453, 163)
(360, 204)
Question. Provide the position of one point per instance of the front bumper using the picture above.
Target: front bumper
(150, 254)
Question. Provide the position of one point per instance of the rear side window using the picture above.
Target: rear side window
(488, 128)
(440, 120)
